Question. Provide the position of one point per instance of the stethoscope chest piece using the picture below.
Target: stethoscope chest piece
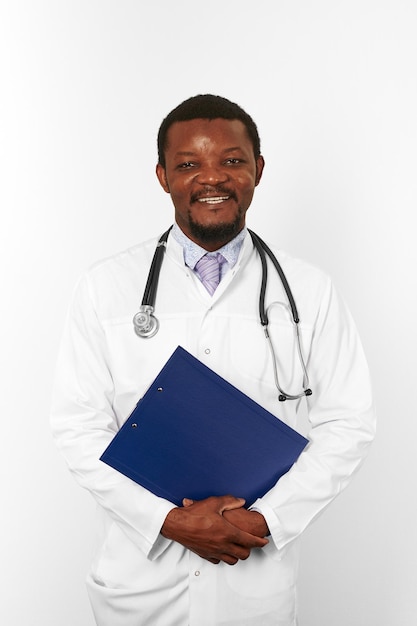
(145, 323)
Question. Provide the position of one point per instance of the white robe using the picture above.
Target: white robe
(137, 577)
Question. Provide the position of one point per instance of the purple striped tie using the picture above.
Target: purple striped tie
(208, 268)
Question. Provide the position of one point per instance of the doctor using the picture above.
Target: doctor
(161, 565)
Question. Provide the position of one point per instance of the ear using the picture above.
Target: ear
(162, 177)
(260, 164)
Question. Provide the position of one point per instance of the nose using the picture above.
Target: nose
(211, 174)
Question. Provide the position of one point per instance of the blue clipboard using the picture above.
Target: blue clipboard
(195, 435)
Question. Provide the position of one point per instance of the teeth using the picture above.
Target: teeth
(215, 200)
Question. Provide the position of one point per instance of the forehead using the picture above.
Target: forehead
(203, 134)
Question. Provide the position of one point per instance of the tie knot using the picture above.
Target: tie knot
(208, 268)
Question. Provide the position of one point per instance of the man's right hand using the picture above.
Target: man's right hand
(201, 528)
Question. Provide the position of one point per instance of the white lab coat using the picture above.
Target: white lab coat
(137, 577)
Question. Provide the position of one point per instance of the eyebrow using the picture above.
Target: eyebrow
(185, 153)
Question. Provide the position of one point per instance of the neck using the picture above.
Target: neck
(212, 238)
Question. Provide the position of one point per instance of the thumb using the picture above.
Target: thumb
(187, 502)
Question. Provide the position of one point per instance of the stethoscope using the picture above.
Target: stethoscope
(146, 325)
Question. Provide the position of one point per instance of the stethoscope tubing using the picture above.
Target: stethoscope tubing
(146, 324)
(151, 287)
(263, 249)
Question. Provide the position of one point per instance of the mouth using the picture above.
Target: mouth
(213, 199)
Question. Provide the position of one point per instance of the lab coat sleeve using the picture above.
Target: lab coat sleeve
(342, 426)
(83, 423)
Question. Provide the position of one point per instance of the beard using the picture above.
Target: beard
(222, 232)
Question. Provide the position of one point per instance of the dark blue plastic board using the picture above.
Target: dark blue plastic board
(195, 435)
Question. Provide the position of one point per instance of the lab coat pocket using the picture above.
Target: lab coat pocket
(269, 576)
(248, 350)
(107, 561)
(119, 564)
(253, 354)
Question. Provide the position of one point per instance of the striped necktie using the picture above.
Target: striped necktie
(208, 269)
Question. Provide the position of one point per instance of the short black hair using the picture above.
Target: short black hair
(208, 107)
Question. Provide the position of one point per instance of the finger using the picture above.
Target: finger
(252, 541)
(187, 502)
(247, 541)
(240, 553)
(229, 559)
(228, 503)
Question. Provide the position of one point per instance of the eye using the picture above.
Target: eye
(186, 165)
(234, 161)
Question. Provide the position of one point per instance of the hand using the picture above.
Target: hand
(251, 522)
(202, 528)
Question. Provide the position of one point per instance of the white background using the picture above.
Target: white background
(84, 86)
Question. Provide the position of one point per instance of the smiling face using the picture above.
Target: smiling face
(211, 173)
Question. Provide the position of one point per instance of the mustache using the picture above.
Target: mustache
(218, 190)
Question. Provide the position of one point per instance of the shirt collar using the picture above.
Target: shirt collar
(193, 252)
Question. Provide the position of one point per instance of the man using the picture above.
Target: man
(158, 564)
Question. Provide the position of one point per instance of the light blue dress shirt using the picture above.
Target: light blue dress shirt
(193, 252)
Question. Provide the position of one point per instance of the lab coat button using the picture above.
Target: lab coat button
(207, 350)
(196, 573)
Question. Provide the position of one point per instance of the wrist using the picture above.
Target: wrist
(170, 523)
(260, 524)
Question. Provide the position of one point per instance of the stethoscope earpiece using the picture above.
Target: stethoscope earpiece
(282, 397)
